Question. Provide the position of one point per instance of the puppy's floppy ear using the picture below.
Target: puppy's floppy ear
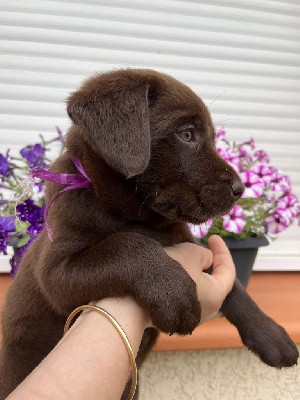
(113, 114)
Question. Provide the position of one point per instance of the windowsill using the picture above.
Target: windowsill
(277, 293)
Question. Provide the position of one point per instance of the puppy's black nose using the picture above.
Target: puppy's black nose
(234, 181)
(237, 187)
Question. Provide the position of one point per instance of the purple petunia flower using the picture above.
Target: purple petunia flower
(253, 184)
(4, 166)
(35, 156)
(14, 266)
(201, 230)
(34, 230)
(3, 240)
(8, 223)
(28, 211)
(262, 156)
(234, 221)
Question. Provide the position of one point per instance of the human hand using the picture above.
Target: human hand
(211, 288)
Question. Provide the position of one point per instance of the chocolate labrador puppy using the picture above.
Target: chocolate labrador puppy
(146, 141)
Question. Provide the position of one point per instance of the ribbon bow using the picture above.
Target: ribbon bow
(73, 181)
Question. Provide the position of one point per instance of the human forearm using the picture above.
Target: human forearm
(91, 360)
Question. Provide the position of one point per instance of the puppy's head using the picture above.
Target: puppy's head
(157, 132)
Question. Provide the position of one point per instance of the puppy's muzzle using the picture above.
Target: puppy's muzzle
(235, 183)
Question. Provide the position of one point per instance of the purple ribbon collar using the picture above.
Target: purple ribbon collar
(73, 181)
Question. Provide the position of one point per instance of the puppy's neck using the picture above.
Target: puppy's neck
(116, 194)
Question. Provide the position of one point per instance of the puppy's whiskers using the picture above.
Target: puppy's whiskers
(222, 121)
(140, 210)
(221, 94)
(195, 214)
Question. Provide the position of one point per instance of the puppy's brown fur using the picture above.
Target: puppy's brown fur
(148, 181)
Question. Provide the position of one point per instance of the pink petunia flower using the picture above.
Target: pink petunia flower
(253, 184)
(280, 182)
(245, 155)
(244, 151)
(288, 201)
(262, 156)
(229, 156)
(264, 172)
(288, 206)
(234, 221)
(201, 230)
(250, 143)
(220, 134)
(276, 223)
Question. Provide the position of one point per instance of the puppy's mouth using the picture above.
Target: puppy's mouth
(217, 200)
(212, 201)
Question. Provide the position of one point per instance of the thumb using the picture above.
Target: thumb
(223, 268)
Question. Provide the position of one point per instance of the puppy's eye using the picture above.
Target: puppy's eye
(186, 136)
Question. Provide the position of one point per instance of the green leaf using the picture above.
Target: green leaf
(23, 241)
(21, 226)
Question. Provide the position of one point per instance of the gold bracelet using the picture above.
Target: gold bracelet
(121, 333)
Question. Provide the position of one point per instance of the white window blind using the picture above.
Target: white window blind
(241, 57)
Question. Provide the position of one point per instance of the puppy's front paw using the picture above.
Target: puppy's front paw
(272, 344)
(174, 306)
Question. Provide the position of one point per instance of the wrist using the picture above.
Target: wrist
(125, 308)
(128, 314)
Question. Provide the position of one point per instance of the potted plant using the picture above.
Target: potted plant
(22, 199)
(266, 208)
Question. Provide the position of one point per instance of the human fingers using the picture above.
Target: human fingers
(223, 269)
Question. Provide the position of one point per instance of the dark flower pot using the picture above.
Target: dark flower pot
(243, 252)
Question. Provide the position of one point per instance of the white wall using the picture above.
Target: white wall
(241, 57)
